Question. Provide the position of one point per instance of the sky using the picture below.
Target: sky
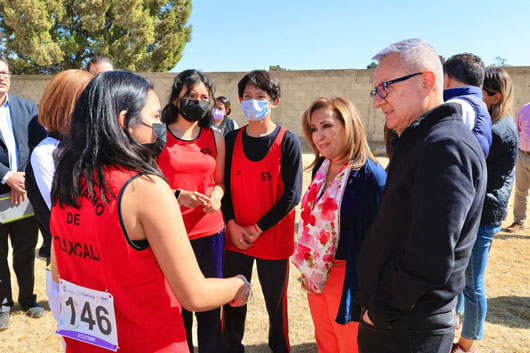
(242, 35)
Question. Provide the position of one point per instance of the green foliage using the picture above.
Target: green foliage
(277, 68)
(372, 65)
(47, 36)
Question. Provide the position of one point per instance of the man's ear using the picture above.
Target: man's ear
(275, 103)
(240, 99)
(429, 78)
(447, 81)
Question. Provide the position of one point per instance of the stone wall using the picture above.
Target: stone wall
(299, 89)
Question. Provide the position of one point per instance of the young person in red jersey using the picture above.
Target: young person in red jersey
(119, 244)
(263, 179)
(193, 162)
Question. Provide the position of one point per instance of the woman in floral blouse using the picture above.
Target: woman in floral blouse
(336, 210)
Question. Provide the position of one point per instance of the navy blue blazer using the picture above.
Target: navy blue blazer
(359, 207)
(28, 133)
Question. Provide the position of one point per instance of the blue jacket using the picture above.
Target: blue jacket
(359, 206)
(482, 126)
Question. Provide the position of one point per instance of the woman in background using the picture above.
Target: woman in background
(336, 210)
(57, 102)
(193, 162)
(220, 112)
(497, 94)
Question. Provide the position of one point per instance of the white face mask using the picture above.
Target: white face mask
(255, 110)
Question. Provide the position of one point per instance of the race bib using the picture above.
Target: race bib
(87, 315)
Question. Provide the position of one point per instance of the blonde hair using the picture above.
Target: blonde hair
(59, 98)
(356, 146)
(497, 80)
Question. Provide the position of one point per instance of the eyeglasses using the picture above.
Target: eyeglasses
(382, 91)
(5, 75)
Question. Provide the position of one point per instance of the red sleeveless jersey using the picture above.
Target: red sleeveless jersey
(190, 166)
(255, 188)
(93, 251)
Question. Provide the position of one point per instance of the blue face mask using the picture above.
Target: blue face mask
(255, 110)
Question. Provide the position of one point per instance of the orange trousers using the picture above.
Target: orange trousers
(332, 337)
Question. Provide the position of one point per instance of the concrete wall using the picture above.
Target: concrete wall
(299, 89)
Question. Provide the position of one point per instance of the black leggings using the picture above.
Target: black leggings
(273, 277)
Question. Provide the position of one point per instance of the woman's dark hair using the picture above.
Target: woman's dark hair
(96, 140)
(226, 103)
(261, 79)
(188, 79)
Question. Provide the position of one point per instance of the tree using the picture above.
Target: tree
(442, 59)
(47, 36)
(500, 62)
(372, 65)
(277, 68)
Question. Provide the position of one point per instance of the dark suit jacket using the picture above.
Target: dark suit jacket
(28, 133)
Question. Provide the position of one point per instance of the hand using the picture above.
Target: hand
(366, 318)
(17, 197)
(252, 233)
(16, 181)
(243, 293)
(237, 235)
(193, 199)
(215, 202)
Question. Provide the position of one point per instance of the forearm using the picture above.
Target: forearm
(213, 293)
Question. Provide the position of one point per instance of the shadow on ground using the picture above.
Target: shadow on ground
(505, 236)
(299, 348)
(509, 311)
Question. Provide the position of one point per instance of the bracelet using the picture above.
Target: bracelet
(247, 290)
(177, 193)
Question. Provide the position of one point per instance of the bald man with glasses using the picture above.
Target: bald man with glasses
(412, 263)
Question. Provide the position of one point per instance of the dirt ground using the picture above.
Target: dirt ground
(507, 327)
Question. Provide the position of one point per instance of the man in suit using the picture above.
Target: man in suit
(19, 133)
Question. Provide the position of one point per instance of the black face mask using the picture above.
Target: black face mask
(159, 130)
(193, 110)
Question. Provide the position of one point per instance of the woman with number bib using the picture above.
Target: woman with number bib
(336, 210)
(120, 248)
(193, 163)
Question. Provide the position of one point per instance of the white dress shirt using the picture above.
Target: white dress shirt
(6, 129)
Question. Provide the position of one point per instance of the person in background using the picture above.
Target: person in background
(336, 211)
(57, 102)
(263, 179)
(463, 78)
(220, 112)
(497, 91)
(193, 162)
(99, 64)
(522, 172)
(20, 132)
(109, 196)
(412, 263)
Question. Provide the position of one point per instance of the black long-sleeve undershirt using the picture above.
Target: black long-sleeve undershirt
(255, 149)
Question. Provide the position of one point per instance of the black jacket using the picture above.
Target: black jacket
(28, 133)
(415, 254)
(500, 163)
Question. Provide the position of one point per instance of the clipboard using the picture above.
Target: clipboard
(10, 212)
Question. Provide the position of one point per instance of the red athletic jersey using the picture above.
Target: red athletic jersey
(190, 165)
(255, 188)
(93, 250)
